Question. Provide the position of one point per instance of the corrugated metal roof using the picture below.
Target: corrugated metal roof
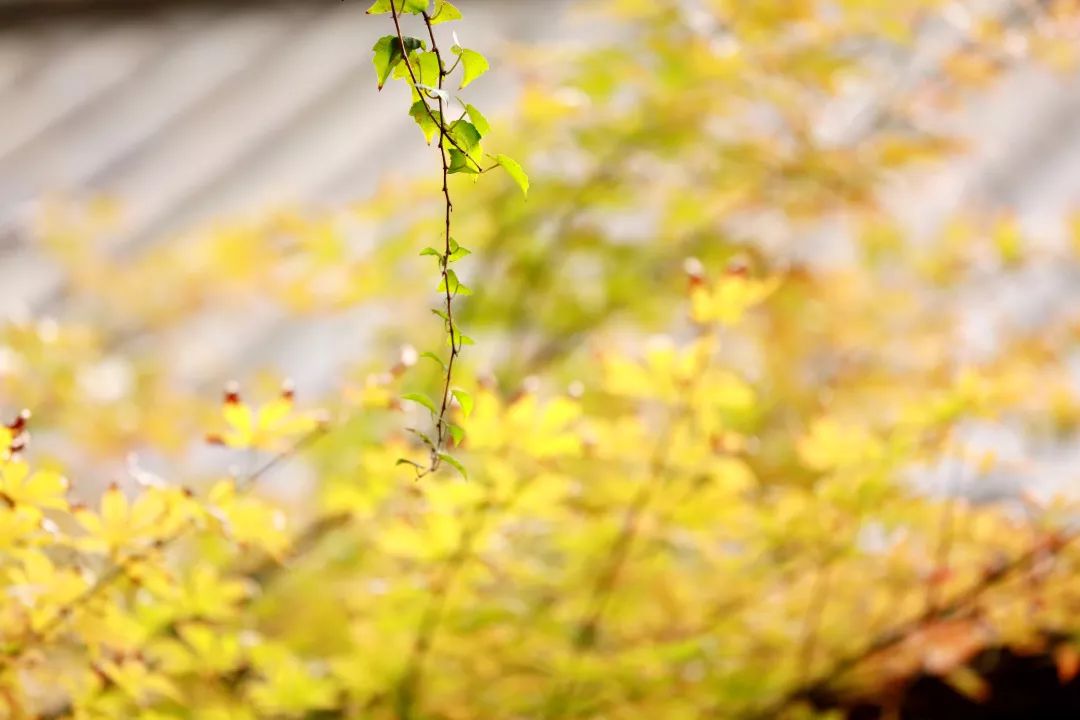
(192, 111)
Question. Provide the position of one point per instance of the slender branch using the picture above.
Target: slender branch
(408, 689)
(441, 422)
(942, 554)
(819, 596)
(455, 343)
(587, 632)
(898, 634)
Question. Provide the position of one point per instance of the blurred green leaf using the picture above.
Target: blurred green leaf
(421, 399)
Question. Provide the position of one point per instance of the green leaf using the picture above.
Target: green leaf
(478, 120)
(465, 135)
(460, 163)
(458, 253)
(454, 463)
(473, 65)
(388, 55)
(423, 115)
(515, 171)
(421, 399)
(432, 356)
(458, 339)
(465, 400)
(406, 461)
(430, 251)
(457, 432)
(444, 12)
(456, 287)
(409, 6)
(440, 313)
(426, 440)
(427, 69)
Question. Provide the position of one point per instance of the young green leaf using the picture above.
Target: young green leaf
(430, 251)
(456, 432)
(460, 163)
(421, 399)
(428, 69)
(514, 169)
(456, 287)
(388, 54)
(458, 253)
(465, 400)
(478, 120)
(454, 463)
(465, 135)
(444, 12)
(423, 437)
(423, 117)
(457, 339)
(414, 7)
(434, 358)
(473, 65)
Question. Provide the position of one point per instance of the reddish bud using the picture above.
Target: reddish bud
(738, 267)
(288, 390)
(232, 393)
(19, 423)
(695, 272)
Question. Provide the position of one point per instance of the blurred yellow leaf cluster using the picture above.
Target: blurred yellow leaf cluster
(710, 488)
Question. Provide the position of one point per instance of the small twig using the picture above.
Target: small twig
(587, 632)
(940, 571)
(898, 634)
(408, 689)
(819, 595)
(407, 692)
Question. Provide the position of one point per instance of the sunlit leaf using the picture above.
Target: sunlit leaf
(421, 399)
(515, 171)
(473, 64)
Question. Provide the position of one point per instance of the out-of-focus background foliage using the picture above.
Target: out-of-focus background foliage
(775, 372)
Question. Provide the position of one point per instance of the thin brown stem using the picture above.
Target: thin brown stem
(898, 634)
(408, 689)
(815, 609)
(940, 572)
(441, 422)
(587, 631)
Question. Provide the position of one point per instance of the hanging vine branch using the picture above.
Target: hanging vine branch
(426, 71)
